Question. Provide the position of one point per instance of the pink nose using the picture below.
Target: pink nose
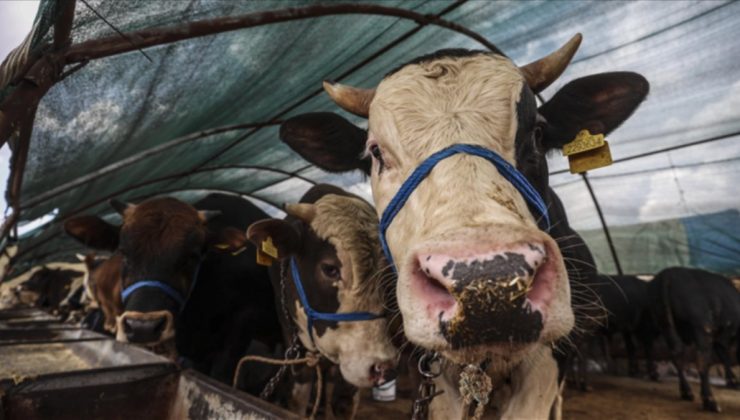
(473, 289)
(448, 270)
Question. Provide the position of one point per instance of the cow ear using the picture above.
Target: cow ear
(229, 239)
(275, 235)
(119, 206)
(598, 103)
(93, 231)
(327, 140)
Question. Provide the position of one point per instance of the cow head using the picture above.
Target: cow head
(334, 242)
(161, 241)
(476, 276)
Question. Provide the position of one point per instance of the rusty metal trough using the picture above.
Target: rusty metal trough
(52, 370)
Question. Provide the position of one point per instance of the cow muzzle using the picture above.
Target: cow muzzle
(146, 328)
(486, 297)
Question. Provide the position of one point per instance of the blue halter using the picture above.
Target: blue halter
(164, 287)
(313, 315)
(507, 170)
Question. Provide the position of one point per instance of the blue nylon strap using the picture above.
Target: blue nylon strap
(506, 169)
(313, 315)
(164, 287)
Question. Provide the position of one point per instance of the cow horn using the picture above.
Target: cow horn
(351, 99)
(303, 211)
(119, 206)
(207, 215)
(541, 73)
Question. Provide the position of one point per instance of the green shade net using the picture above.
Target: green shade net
(119, 107)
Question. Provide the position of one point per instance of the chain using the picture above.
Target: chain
(427, 389)
(294, 349)
(291, 353)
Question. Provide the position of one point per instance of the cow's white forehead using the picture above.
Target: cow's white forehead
(351, 225)
(452, 99)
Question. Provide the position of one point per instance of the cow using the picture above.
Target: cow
(102, 287)
(46, 288)
(619, 305)
(455, 151)
(699, 308)
(186, 289)
(328, 246)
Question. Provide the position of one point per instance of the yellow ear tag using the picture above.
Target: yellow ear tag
(269, 248)
(263, 259)
(587, 151)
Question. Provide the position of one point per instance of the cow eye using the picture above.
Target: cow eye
(378, 155)
(537, 134)
(330, 271)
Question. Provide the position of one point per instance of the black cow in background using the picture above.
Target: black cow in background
(625, 299)
(699, 308)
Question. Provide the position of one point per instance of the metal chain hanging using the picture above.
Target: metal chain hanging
(427, 389)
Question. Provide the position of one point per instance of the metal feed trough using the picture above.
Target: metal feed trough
(49, 369)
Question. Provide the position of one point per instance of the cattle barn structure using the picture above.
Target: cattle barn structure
(116, 102)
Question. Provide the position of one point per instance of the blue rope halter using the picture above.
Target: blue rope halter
(313, 315)
(506, 169)
(164, 287)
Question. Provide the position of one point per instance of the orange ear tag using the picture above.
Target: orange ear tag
(587, 151)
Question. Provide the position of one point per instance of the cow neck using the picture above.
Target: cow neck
(314, 315)
(164, 287)
(507, 170)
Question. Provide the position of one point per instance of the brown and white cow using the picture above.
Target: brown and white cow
(333, 238)
(466, 235)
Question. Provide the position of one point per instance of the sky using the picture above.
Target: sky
(16, 19)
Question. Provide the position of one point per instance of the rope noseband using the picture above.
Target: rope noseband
(506, 169)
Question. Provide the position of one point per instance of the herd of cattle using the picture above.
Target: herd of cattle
(467, 253)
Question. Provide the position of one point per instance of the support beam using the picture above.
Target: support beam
(603, 224)
(18, 111)
(104, 47)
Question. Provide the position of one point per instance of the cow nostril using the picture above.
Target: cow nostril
(144, 330)
(127, 327)
(381, 373)
(159, 325)
(434, 284)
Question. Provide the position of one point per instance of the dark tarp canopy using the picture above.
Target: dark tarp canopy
(200, 115)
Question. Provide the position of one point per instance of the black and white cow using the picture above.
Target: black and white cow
(329, 261)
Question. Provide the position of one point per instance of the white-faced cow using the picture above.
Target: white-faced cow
(329, 276)
(179, 270)
(456, 153)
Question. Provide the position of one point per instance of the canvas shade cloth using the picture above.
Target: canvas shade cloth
(677, 206)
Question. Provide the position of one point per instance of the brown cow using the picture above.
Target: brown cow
(103, 286)
(479, 278)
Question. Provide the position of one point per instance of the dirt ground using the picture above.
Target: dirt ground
(612, 397)
(637, 399)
